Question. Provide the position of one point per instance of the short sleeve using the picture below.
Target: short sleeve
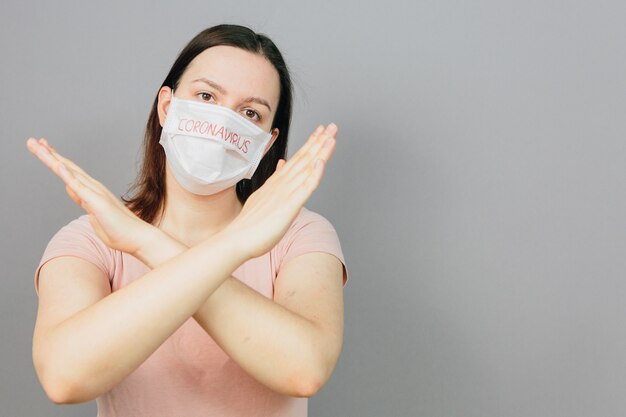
(78, 239)
(311, 232)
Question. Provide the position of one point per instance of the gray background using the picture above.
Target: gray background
(478, 185)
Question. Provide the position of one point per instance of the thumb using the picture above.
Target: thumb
(280, 164)
(73, 195)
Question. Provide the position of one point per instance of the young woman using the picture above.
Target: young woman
(212, 291)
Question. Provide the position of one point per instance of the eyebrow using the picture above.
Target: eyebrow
(223, 91)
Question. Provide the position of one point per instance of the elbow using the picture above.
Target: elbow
(310, 389)
(61, 380)
(66, 390)
(304, 385)
(51, 384)
(307, 381)
(58, 397)
(60, 389)
(66, 393)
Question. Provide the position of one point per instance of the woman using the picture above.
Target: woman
(213, 291)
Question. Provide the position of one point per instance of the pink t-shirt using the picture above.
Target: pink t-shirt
(189, 374)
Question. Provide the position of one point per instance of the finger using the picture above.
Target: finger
(303, 191)
(45, 150)
(80, 172)
(79, 191)
(326, 150)
(39, 150)
(94, 184)
(303, 151)
(73, 195)
(310, 141)
(87, 192)
(311, 145)
(68, 162)
(46, 157)
(76, 181)
(64, 172)
(33, 145)
(76, 170)
(319, 148)
(310, 172)
(325, 142)
(80, 187)
(311, 150)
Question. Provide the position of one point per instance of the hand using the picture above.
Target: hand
(114, 223)
(270, 210)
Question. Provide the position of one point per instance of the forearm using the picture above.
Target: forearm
(270, 342)
(99, 346)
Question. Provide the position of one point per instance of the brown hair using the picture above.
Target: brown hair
(149, 186)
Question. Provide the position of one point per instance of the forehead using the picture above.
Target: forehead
(240, 72)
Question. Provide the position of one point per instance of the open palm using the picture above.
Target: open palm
(114, 223)
(270, 210)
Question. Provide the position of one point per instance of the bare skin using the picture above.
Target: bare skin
(139, 317)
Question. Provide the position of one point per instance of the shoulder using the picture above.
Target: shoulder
(309, 219)
(310, 232)
(81, 228)
(78, 238)
(308, 229)
(81, 223)
(77, 228)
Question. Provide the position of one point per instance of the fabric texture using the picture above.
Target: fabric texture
(189, 374)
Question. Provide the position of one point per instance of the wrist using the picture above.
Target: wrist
(147, 237)
(231, 243)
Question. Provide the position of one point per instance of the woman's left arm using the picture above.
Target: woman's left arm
(294, 340)
(291, 343)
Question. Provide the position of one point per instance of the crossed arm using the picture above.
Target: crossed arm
(291, 344)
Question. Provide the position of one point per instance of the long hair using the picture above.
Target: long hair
(149, 186)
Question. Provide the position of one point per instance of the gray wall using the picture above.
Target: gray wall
(478, 185)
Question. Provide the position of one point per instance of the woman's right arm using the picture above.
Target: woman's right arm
(86, 354)
(95, 346)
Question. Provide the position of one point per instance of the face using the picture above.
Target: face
(231, 77)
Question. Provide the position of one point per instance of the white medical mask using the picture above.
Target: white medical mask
(210, 147)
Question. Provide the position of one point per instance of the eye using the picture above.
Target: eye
(251, 114)
(206, 96)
